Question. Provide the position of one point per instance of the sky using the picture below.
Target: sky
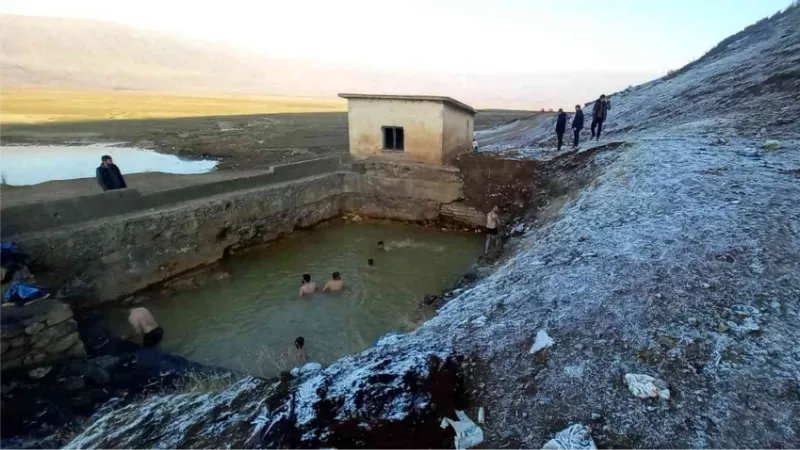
(445, 36)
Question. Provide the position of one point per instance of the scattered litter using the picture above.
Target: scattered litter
(771, 144)
(468, 434)
(481, 415)
(542, 342)
(574, 437)
(645, 386)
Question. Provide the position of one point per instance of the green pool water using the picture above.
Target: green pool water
(250, 320)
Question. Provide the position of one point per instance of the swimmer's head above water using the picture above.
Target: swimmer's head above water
(370, 262)
(299, 342)
(380, 244)
(306, 278)
(336, 276)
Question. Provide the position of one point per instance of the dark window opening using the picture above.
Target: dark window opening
(393, 138)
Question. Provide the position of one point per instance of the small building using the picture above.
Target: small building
(413, 127)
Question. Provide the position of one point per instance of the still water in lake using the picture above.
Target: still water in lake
(33, 164)
(250, 320)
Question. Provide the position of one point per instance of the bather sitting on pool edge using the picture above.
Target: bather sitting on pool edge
(335, 284)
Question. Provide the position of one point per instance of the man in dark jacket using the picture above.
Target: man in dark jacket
(601, 108)
(577, 125)
(108, 175)
(561, 126)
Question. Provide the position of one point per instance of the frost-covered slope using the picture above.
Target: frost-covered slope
(681, 261)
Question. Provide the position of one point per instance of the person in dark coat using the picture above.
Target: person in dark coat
(577, 125)
(561, 126)
(108, 175)
(601, 108)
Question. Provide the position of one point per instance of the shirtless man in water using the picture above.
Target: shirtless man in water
(307, 287)
(492, 221)
(146, 326)
(336, 284)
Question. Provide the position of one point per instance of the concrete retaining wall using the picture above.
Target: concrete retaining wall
(34, 217)
(100, 260)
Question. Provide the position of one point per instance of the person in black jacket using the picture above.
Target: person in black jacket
(599, 114)
(108, 175)
(561, 126)
(577, 125)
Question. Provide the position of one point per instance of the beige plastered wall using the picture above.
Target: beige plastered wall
(422, 122)
(458, 132)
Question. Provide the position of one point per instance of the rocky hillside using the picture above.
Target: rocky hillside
(676, 255)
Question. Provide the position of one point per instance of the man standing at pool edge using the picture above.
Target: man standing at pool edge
(108, 175)
(492, 221)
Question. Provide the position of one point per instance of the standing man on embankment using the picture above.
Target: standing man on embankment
(108, 175)
(600, 111)
(577, 125)
(561, 126)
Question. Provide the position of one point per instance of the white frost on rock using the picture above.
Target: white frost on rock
(574, 437)
(645, 386)
(468, 433)
(543, 340)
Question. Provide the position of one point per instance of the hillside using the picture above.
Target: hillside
(673, 253)
(57, 53)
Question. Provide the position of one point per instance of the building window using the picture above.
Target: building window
(393, 138)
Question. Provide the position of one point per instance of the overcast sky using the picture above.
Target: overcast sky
(466, 36)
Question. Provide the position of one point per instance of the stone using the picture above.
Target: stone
(11, 331)
(54, 333)
(63, 344)
(645, 386)
(77, 350)
(11, 363)
(34, 357)
(34, 328)
(59, 314)
(39, 372)
(19, 341)
(105, 362)
(73, 383)
(574, 437)
(543, 341)
(429, 299)
(97, 375)
(14, 352)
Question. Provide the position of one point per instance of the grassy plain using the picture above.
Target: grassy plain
(43, 106)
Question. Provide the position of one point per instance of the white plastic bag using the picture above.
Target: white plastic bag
(468, 434)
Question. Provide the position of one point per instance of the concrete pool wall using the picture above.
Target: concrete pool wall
(95, 252)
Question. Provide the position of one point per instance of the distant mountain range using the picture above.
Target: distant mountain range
(87, 54)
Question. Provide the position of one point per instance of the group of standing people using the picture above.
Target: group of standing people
(599, 113)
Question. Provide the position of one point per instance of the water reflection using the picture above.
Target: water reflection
(32, 164)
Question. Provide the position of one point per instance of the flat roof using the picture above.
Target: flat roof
(421, 98)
